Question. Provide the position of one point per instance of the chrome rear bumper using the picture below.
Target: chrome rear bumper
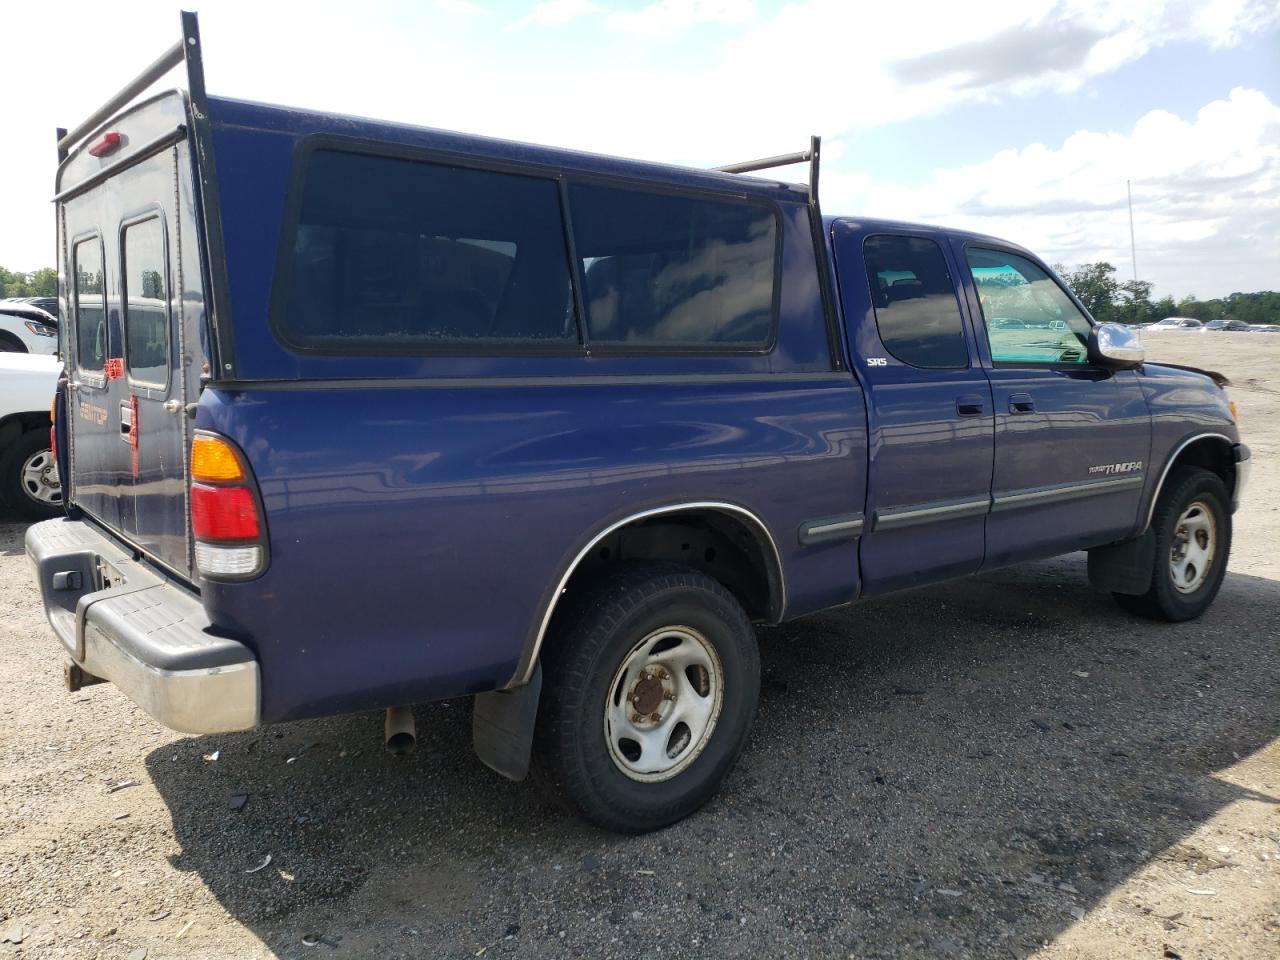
(121, 620)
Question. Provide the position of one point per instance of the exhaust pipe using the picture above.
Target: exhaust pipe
(399, 732)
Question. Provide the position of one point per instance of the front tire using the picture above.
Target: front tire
(1192, 527)
(651, 686)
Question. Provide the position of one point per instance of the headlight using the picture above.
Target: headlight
(40, 329)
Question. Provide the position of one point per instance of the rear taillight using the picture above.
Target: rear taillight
(225, 511)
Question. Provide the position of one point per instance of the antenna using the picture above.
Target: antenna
(1133, 247)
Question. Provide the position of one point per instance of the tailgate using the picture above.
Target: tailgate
(132, 288)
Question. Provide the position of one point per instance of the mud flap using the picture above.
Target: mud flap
(1124, 567)
(502, 727)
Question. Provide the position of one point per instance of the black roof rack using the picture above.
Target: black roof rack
(185, 49)
(810, 156)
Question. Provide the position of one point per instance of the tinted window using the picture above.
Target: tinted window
(1029, 318)
(917, 313)
(401, 255)
(91, 307)
(146, 306)
(675, 272)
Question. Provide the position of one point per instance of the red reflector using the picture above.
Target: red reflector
(115, 368)
(223, 513)
(109, 143)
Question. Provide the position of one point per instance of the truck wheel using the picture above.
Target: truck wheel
(1192, 526)
(649, 693)
(29, 477)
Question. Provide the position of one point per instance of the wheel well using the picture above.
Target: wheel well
(1209, 453)
(11, 342)
(726, 542)
(16, 424)
(728, 548)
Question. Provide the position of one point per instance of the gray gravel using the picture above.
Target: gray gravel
(1002, 767)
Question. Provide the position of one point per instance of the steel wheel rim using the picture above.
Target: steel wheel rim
(675, 676)
(1195, 544)
(39, 478)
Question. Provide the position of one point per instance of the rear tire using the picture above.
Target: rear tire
(650, 689)
(29, 478)
(1192, 527)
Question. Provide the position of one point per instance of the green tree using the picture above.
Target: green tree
(1134, 303)
(1095, 284)
(39, 283)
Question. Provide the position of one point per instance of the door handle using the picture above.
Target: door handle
(1021, 403)
(173, 405)
(969, 406)
(126, 420)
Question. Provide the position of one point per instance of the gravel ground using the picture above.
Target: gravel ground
(1002, 767)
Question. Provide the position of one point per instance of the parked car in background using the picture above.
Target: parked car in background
(1175, 323)
(1228, 326)
(48, 304)
(1265, 327)
(25, 328)
(29, 482)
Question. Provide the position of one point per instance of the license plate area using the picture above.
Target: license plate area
(108, 575)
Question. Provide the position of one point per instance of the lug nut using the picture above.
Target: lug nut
(654, 717)
(668, 695)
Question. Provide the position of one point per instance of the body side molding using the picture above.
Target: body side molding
(892, 518)
(1061, 492)
(845, 526)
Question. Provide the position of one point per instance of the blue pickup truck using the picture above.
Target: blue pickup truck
(358, 415)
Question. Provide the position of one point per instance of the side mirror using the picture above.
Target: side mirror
(1116, 346)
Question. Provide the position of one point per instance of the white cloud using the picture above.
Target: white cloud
(669, 16)
(1206, 195)
(462, 8)
(552, 12)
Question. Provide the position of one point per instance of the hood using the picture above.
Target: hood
(34, 364)
(1218, 378)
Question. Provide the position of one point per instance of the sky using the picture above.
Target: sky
(1018, 118)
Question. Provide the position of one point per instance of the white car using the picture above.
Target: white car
(1175, 323)
(27, 329)
(29, 483)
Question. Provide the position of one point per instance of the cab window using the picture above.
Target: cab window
(1028, 317)
(917, 312)
(146, 302)
(90, 305)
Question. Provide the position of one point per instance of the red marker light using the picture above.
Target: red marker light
(109, 143)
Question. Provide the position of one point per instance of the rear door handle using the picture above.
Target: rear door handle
(969, 406)
(126, 419)
(1021, 403)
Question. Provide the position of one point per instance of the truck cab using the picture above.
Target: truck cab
(357, 415)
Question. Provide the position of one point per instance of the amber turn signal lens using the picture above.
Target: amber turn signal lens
(1235, 412)
(213, 460)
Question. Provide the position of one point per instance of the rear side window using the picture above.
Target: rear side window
(674, 272)
(91, 305)
(146, 302)
(917, 312)
(396, 255)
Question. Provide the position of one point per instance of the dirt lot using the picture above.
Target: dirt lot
(1006, 767)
